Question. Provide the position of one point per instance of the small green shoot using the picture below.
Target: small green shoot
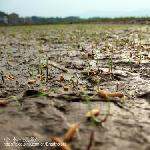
(18, 101)
(110, 64)
(93, 119)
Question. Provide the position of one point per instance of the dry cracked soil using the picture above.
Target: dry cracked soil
(49, 72)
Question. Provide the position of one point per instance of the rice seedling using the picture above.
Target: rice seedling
(31, 71)
(139, 59)
(130, 61)
(47, 69)
(41, 50)
(97, 64)
(110, 64)
(18, 101)
(2, 77)
(93, 120)
(98, 83)
(40, 67)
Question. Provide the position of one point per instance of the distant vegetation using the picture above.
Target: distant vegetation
(15, 19)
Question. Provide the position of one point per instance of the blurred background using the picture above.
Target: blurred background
(50, 11)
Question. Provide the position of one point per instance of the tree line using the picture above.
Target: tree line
(15, 19)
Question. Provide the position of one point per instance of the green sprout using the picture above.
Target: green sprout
(110, 64)
(47, 69)
(32, 71)
(40, 67)
(130, 61)
(18, 101)
(93, 119)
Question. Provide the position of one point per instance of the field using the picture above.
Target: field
(89, 84)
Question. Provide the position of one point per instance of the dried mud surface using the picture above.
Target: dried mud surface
(74, 52)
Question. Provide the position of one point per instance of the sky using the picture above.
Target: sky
(81, 8)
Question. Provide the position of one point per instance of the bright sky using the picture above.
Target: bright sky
(62, 8)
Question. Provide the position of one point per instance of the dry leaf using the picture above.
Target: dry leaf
(66, 88)
(63, 146)
(92, 72)
(94, 112)
(71, 132)
(31, 82)
(107, 94)
(40, 77)
(3, 103)
(103, 94)
(61, 78)
(116, 94)
(9, 77)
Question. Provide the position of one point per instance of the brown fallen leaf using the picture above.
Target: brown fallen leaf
(93, 113)
(107, 94)
(3, 103)
(92, 72)
(61, 78)
(30, 82)
(71, 132)
(116, 94)
(9, 77)
(63, 145)
(103, 94)
(40, 77)
(66, 88)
